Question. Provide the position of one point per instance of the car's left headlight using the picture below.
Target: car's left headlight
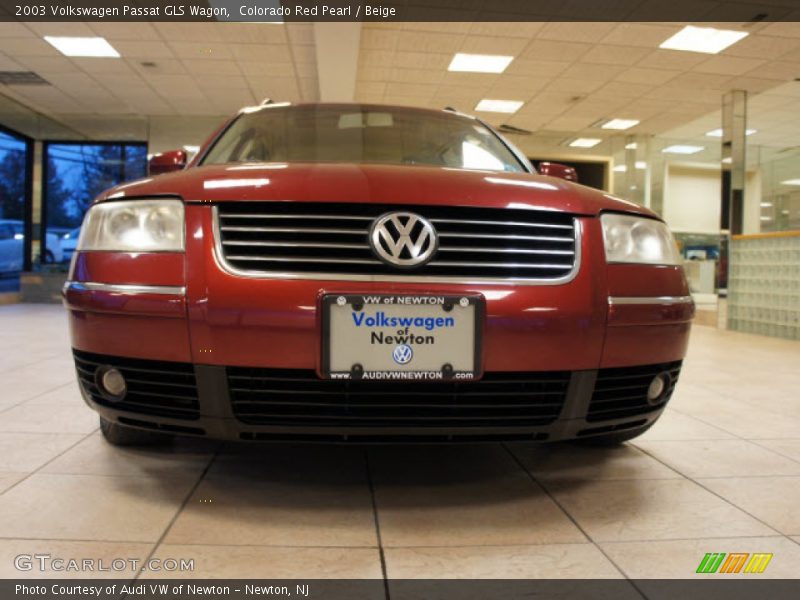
(155, 225)
(630, 239)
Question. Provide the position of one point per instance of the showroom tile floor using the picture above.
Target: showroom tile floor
(719, 473)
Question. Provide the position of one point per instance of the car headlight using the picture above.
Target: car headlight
(134, 226)
(630, 239)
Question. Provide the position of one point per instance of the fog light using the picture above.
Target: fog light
(111, 383)
(657, 388)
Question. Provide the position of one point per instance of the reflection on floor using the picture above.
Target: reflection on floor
(719, 473)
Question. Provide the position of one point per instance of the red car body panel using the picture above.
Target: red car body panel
(233, 320)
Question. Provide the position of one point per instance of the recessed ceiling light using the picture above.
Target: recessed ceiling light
(479, 63)
(499, 106)
(683, 149)
(631, 146)
(192, 149)
(585, 142)
(707, 40)
(82, 46)
(727, 160)
(718, 132)
(766, 204)
(791, 182)
(619, 123)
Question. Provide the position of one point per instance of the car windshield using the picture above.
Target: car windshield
(360, 134)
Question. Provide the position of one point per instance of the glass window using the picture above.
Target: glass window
(13, 189)
(362, 135)
(76, 173)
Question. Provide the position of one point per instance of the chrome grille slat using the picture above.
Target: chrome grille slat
(328, 240)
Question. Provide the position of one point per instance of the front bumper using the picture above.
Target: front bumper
(244, 403)
(186, 309)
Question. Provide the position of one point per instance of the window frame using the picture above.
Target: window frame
(45, 174)
(27, 208)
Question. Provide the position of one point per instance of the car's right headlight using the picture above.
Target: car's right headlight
(631, 239)
(155, 225)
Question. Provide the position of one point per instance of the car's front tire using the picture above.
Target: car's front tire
(120, 435)
(609, 440)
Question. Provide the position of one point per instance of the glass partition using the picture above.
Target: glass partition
(14, 192)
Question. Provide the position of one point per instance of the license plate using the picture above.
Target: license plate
(401, 337)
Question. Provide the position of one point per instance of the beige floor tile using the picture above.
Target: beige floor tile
(545, 561)
(463, 496)
(263, 562)
(720, 458)
(26, 452)
(679, 559)
(68, 394)
(564, 461)
(94, 456)
(774, 500)
(261, 511)
(41, 558)
(673, 425)
(788, 448)
(85, 507)
(742, 419)
(9, 479)
(17, 391)
(652, 510)
(46, 418)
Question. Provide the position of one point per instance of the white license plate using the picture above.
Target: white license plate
(401, 337)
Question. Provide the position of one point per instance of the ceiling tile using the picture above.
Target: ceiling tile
(28, 47)
(649, 76)
(265, 52)
(300, 33)
(763, 46)
(575, 31)
(422, 60)
(263, 69)
(480, 44)
(414, 41)
(368, 73)
(506, 28)
(614, 55)
(536, 68)
(601, 72)
(191, 32)
(140, 49)
(11, 29)
(554, 51)
(211, 68)
(672, 59)
(416, 76)
(210, 51)
(640, 34)
(130, 30)
(729, 65)
(7, 64)
(253, 33)
(786, 71)
(378, 39)
(625, 89)
(419, 90)
(574, 85)
(69, 29)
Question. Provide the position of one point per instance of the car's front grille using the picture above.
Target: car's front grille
(299, 398)
(159, 388)
(622, 392)
(322, 240)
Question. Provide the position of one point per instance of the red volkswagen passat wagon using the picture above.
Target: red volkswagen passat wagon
(372, 273)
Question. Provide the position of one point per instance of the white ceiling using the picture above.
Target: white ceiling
(569, 75)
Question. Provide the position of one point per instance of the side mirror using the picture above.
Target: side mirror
(558, 170)
(166, 162)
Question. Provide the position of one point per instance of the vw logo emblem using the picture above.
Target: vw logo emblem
(403, 354)
(403, 239)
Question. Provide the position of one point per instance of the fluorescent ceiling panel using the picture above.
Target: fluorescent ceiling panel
(92, 47)
(479, 63)
(585, 142)
(619, 124)
(499, 106)
(683, 149)
(717, 133)
(707, 40)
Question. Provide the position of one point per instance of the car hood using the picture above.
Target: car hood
(379, 184)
